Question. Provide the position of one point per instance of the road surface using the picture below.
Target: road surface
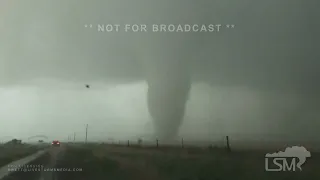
(56, 154)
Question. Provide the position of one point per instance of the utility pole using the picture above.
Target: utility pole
(86, 133)
(74, 137)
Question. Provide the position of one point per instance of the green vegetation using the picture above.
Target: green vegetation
(93, 167)
(10, 153)
(20, 175)
(122, 163)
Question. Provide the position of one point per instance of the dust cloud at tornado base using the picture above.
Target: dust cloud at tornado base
(265, 53)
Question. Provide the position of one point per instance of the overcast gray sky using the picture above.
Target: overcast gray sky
(264, 71)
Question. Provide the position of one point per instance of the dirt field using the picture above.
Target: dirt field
(9, 153)
(168, 163)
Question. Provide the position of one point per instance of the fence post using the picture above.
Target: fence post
(182, 145)
(157, 143)
(139, 142)
(128, 143)
(228, 145)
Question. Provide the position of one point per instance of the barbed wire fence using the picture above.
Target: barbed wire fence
(227, 140)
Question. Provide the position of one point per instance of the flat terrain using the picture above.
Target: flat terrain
(174, 163)
(9, 153)
(42, 157)
(55, 155)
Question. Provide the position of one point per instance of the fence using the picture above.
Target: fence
(230, 142)
(157, 143)
(130, 136)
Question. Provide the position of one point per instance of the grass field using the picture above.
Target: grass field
(9, 153)
(20, 175)
(174, 163)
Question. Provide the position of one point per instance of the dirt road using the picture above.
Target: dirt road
(56, 154)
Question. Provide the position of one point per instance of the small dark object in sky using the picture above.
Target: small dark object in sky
(87, 86)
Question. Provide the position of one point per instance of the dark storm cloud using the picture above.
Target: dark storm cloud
(272, 46)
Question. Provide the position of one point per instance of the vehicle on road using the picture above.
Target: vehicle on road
(56, 143)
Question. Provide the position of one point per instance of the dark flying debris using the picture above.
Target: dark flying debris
(87, 86)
